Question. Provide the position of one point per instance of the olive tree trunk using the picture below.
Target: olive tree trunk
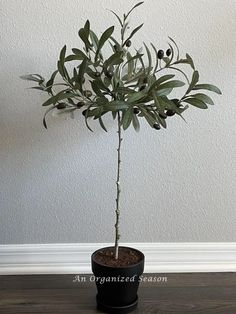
(117, 232)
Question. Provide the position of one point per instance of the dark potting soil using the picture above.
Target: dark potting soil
(126, 257)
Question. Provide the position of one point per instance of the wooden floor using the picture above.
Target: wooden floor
(201, 293)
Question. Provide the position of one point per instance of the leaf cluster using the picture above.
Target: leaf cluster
(127, 80)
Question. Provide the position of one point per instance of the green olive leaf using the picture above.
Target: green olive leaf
(84, 35)
(157, 59)
(190, 61)
(135, 123)
(204, 98)
(135, 6)
(133, 33)
(118, 18)
(96, 89)
(105, 36)
(127, 118)
(44, 117)
(100, 119)
(176, 46)
(60, 96)
(195, 102)
(116, 105)
(32, 77)
(136, 96)
(82, 69)
(114, 59)
(195, 79)
(209, 87)
(162, 79)
(149, 68)
(171, 84)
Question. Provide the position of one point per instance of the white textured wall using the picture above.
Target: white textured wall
(58, 185)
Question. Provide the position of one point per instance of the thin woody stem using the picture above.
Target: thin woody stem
(117, 233)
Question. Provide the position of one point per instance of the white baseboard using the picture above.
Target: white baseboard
(74, 258)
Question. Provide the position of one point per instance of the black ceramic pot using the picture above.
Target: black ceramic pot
(117, 286)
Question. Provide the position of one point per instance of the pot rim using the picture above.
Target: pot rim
(117, 267)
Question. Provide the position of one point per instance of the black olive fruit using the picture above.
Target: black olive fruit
(170, 112)
(84, 112)
(109, 74)
(142, 87)
(168, 52)
(80, 104)
(116, 47)
(145, 80)
(61, 106)
(160, 54)
(97, 74)
(136, 110)
(156, 126)
(87, 93)
(128, 43)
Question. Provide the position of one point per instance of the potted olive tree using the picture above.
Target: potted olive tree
(128, 84)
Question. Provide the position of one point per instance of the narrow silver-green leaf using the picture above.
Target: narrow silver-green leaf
(73, 57)
(149, 58)
(161, 121)
(62, 54)
(135, 122)
(87, 27)
(162, 79)
(32, 77)
(60, 68)
(82, 69)
(60, 96)
(114, 59)
(136, 96)
(209, 87)
(96, 89)
(179, 70)
(86, 118)
(172, 53)
(50, 82)
(150, 118)
(100, 120)
(116, 105)
(123, 30)
(94, 39)
(118, 18)
(203, 98)
(130, 63)
(38, 88)
(135, 77)
(190, 61)
(135, 6)
(114, 41)
(171, 84)
(195, 79)
(133, 32)
(127, 118)
(164, 92)
(195, 102)
(44, 117)
(83, 34)
(157, 59)
(79, 52)
(105, 36)
(177, 48)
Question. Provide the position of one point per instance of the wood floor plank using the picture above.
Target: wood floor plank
(205, 293)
